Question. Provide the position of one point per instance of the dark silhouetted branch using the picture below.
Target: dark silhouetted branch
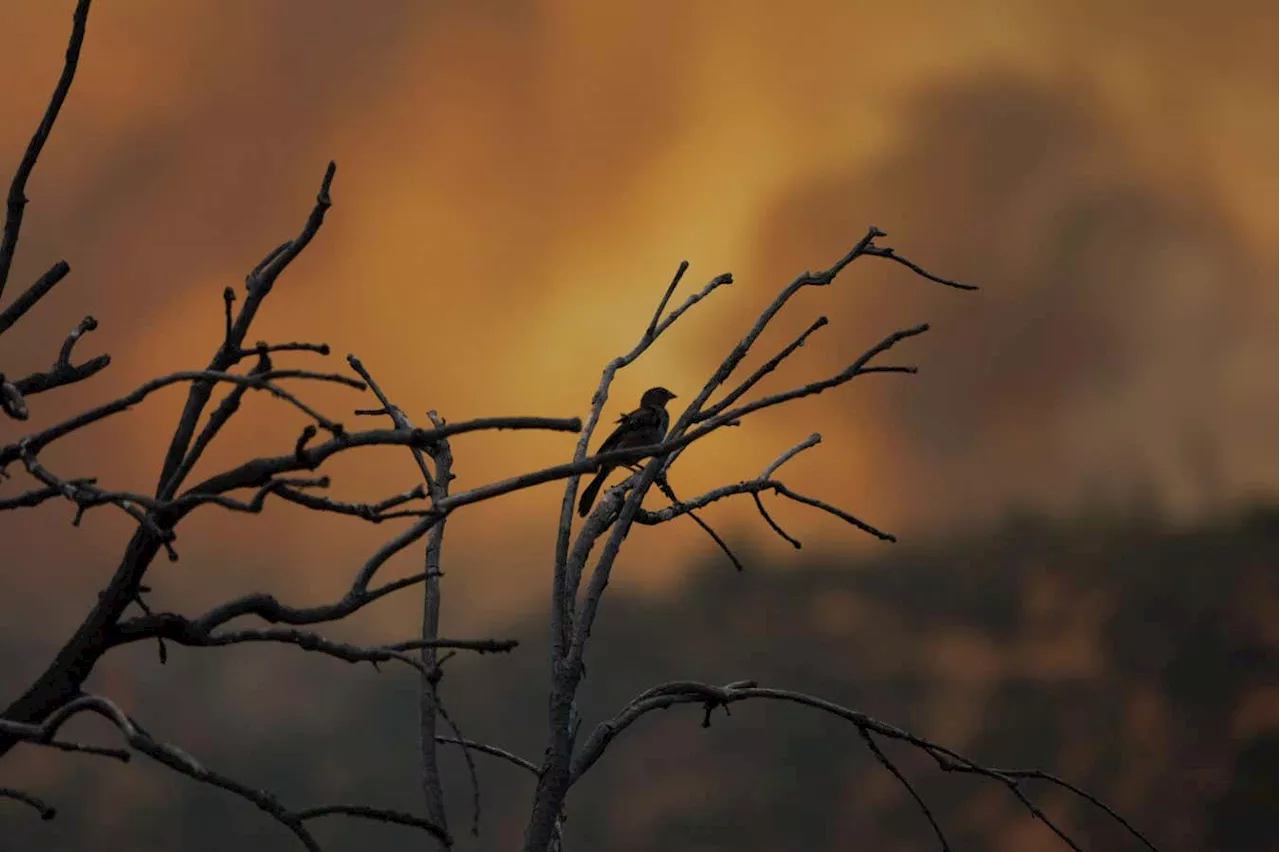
(492, 751)
(16, 200)
(33, 294)
(46, 810)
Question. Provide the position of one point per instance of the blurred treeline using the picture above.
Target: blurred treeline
(1132, 657)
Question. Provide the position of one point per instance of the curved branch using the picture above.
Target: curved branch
(893, 770)
(890, 254)
(46, 810)
(63, 371)
(492, 751)
(378, 815)
(264, 382)
(693, 692)
(183, 763)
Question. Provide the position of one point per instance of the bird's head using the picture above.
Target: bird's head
(656, 397)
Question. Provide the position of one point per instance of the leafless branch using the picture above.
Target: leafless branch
(184, 631)
(378, 815)
(553, 781)
(33, 294)
(258, 284)
(317, 348)
(693, 692)
(16, 200)
(670, 494)
(567, 662)
(466, 753)
(666, 297)
(182, 762)
(765, 369)
(754, 487)
(492, 751)
(36, 496)
(272, 611)
(264, 382)
(46, 810)
(889, 254)
(64, 372)
(889, 765)
(429, 706)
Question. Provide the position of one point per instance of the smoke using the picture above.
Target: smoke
(1122, 337)
(516, 185)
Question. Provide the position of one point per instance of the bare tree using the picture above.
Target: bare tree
(56, 695)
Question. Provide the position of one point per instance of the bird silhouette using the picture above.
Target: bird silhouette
(645, 426)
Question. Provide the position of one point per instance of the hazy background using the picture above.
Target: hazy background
(518, 181)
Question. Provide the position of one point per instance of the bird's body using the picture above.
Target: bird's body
(644, 427)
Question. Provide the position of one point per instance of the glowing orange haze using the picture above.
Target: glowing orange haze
(517, 182)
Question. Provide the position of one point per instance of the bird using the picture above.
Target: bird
(645, 426)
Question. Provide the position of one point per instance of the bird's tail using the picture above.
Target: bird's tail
(589, 493)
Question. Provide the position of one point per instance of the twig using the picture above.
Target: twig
(46, 810)
(666, 297)
(184, 763)
(560, 603)
(897, 773)
(378, 815)
(429, 700)
(258, 283)
(492, 751)
(765, 369)
(666, 489)
(466, 756)
(63, 371)
(318, 348)
(33, 294)
(17, 198)
(889, 254)
(262, 382)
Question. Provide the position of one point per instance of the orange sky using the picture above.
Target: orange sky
(517, 182)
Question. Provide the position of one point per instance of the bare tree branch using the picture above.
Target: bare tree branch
(16, 200)
(182, 762)
(567, 664)
(889, 254)
(429, 701)
(258, 284)
(492, 751)
(670, 494)
(187, 632)
(765, 369)
(378, 815)
(693, 692)
(264, 382)
(561, 599)
(28, 298)
(888, 764)
(63, 371)
(46, 810)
